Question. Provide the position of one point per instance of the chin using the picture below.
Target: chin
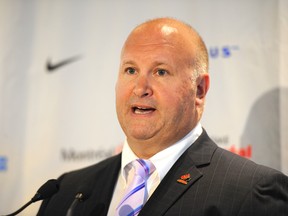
(140, 136)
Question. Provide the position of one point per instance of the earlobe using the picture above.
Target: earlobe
(203, 83)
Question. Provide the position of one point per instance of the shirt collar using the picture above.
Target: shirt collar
(164, 159)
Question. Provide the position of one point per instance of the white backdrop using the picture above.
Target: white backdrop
(52, 121)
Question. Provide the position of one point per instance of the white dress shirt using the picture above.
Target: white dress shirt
(163, 161)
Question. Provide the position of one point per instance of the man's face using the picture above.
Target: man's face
(155, 94)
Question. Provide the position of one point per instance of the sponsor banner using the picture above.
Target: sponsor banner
(3, 163)
(59, 63)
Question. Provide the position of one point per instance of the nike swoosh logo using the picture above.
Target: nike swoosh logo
(52, 66)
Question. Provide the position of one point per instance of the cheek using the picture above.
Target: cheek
(177, 95)
(120, 97)
(121, 91)
(185, 99)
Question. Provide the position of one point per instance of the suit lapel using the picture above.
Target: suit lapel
(106, 179)
(169, 190)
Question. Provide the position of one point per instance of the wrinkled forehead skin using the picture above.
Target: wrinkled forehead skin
(167, 32)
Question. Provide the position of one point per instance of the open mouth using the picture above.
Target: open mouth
(142, 110)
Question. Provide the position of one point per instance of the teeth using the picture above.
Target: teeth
(142, 110)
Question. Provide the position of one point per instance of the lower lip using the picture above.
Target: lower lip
(145, 113)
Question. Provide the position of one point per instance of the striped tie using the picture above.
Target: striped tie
(136, 194)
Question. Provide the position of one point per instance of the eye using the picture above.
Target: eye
(161, 72)
(130, 70)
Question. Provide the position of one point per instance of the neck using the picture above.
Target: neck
(145, 149)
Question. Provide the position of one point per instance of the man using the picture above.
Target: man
(160, 96)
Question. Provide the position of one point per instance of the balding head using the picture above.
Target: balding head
(179, 32)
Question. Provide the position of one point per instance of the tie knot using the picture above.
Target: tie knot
(144, 168)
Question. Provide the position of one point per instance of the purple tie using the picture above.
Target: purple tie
(136, 194)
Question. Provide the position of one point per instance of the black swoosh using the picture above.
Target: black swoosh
(51, 67)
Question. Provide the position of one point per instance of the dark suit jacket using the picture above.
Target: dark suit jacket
(222, 183)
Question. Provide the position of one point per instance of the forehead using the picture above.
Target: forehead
(158, 42)
(153, 34)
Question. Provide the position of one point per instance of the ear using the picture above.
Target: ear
(203, 84)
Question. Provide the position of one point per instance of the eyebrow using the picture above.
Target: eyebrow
(156, 63)
(129, 62)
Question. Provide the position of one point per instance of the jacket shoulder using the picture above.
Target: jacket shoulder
(98, 167)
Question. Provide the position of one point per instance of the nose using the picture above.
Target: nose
(142, 87)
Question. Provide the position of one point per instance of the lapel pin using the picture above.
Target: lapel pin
(184, 179)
